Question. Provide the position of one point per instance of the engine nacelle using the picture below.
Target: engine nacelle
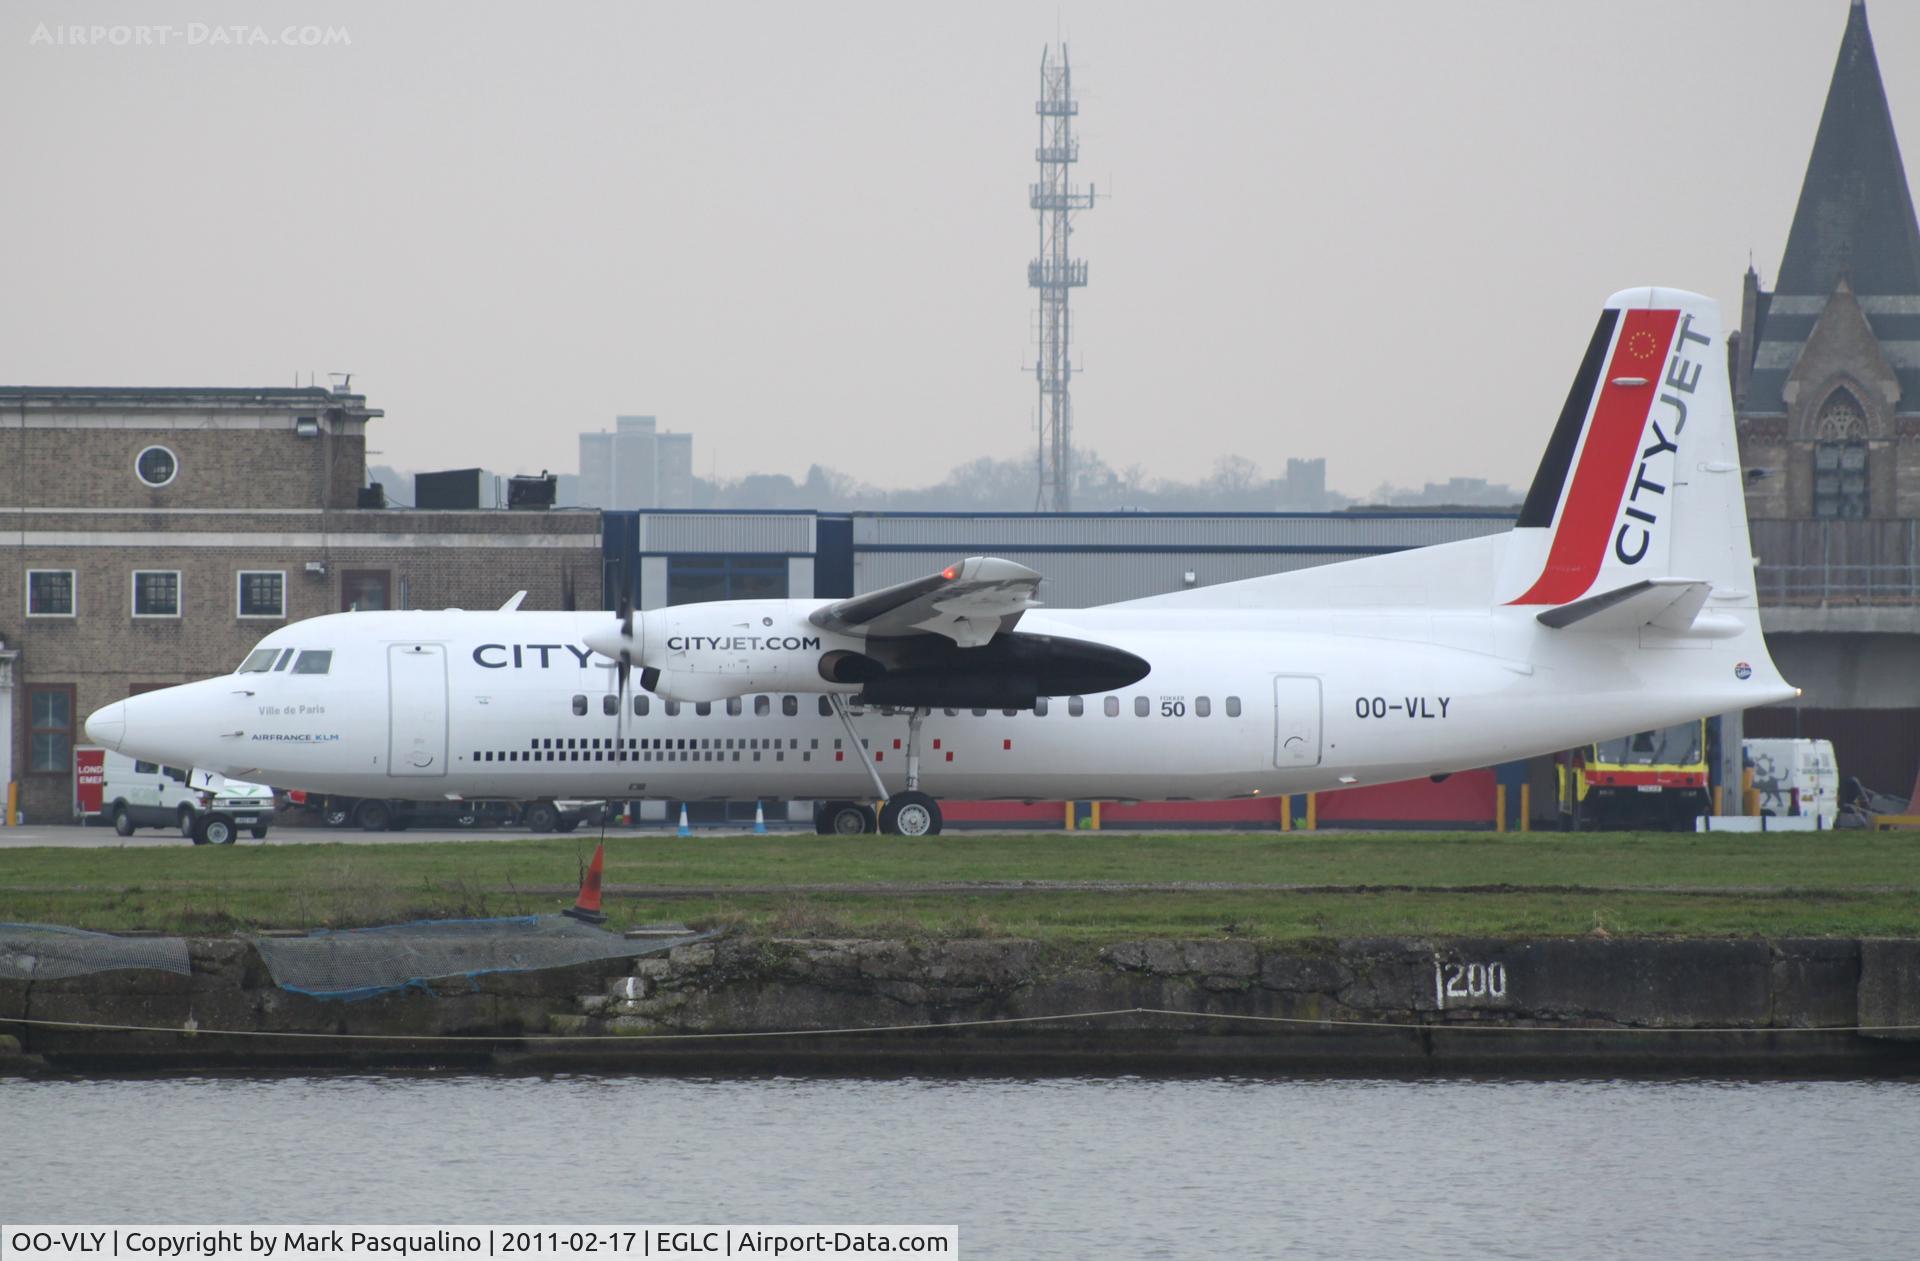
(706, 652)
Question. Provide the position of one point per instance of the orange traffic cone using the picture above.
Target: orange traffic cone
(587, 908)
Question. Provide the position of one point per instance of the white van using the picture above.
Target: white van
(1796, 777)
(207, 808)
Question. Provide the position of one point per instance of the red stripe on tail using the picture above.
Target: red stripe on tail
(1606, 461)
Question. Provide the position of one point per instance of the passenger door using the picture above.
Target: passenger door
(1296, 721)
(416, 710)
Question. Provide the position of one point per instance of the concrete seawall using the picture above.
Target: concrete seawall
(1815, 1006)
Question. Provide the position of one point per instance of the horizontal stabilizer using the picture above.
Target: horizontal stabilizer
(1671, 604)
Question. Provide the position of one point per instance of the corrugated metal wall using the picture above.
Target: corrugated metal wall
(1100, 558)
(1088, 559)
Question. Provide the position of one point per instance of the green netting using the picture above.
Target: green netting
(362, 962)
(46, 952)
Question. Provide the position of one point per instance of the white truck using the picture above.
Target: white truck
(208, 809)
(1796, 778)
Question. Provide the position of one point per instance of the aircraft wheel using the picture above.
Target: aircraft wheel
(214, 829)
(122, 823)
(540, 816)
(373, 816)
(846, 818)
(335, 815)
(910, 814)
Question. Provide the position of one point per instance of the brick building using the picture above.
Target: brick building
(152, 536)
(1826, 381)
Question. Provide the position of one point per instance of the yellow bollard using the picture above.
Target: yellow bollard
(1526, 807)
(1069, 821)
(1096, 816)
(1313, 806)
(13, 803)
(1286, 813)
(1718, 790)
(1499, 807)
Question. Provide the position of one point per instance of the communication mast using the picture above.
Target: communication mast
(1056, 274)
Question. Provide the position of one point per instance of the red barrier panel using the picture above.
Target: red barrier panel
(1466, 798)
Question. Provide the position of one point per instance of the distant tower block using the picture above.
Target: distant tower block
(1056, 274)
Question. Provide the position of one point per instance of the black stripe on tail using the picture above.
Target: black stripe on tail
(1551, 477)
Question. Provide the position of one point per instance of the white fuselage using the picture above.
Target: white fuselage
(431, 704)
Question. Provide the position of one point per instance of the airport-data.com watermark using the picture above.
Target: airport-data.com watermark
(186, 35)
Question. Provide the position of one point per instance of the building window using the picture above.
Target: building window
(698, 579)
(263, 593)
(1840, 480)
(156, 593)
(365, 590)
(156, 466)
(50, 593)
(50, 728)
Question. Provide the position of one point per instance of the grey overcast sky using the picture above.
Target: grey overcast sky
(1376, 232)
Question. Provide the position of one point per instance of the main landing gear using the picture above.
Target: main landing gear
(909, 813)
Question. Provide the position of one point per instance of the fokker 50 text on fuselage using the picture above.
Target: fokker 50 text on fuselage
(1624, 600)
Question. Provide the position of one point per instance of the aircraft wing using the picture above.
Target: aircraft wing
(969, 603)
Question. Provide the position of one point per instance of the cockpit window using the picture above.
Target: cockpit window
(284, 658)
(314, 661)
(259, 661)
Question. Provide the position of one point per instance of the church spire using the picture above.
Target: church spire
(1855, 217)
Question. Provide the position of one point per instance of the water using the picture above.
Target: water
(1028, 1168)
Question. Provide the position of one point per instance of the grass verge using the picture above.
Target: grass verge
(1840, 884)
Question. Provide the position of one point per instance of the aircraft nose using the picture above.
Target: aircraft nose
(107, 726)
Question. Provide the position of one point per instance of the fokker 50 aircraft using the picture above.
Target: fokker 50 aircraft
(1624, 600)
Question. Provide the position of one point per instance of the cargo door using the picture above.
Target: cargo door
(1296, 721)
(416, 710)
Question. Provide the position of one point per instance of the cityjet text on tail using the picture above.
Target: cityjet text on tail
(1623, 600)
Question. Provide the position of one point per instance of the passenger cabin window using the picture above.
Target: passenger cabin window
(1141, 707)
(1040, 707)
(790, 706)
(1202, 707)
(314, 661)
(762, 706)
(733, 706)
(640, 706)
(610, 705)
(673, 709)
(1076, 706)
(259, 661)
(703, 708)
(580, 706)
(1233, 706)
(826, 707)
(1112, 706)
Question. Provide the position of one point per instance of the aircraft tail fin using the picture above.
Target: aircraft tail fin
(1641, 479)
